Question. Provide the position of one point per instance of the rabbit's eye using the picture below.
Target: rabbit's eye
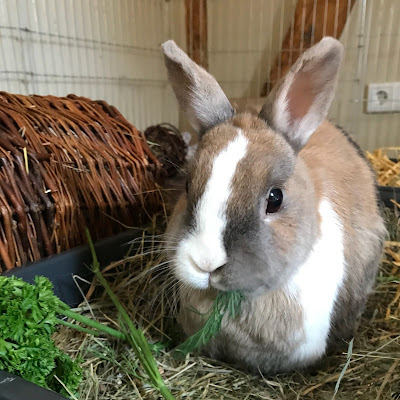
(274, 202)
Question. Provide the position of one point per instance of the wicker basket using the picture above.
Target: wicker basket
(67, 163)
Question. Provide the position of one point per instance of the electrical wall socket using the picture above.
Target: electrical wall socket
(383, 97)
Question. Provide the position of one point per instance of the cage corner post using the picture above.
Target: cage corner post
(196, 31)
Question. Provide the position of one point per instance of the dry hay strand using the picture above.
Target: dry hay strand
(146, 287)
(386, 163)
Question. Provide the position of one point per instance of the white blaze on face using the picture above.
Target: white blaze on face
(203, 250)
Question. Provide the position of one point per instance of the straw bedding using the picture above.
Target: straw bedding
(147, 289)
(111, 172)
(386, 163)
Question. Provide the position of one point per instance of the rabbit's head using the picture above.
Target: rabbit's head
(249, 216)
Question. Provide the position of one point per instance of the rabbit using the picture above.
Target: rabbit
(282, 206)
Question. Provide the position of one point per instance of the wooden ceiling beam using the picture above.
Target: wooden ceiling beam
(196, 31)
(313, 19)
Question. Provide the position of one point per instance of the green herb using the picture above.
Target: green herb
(28, 316)
(225, 303)
(133, 335)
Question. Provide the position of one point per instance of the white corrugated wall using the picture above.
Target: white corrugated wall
(245, 37)
(102, 49)
(110, 49)
(244, 40)
(372, 41)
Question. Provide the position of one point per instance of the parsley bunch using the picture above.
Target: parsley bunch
(28, 318)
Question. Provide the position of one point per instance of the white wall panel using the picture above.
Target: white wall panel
(102, 49)
(372, 41)
(245, 38)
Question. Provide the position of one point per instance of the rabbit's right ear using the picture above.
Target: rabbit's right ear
(198, 93)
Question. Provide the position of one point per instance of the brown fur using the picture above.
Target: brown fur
(309, 163)
(346, 179)
(332, 175)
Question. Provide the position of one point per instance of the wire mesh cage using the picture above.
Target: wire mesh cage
(111, 50)
(93, 158)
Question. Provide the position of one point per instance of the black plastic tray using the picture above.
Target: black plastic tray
(388, 193)
(64, 269)
(15, 388)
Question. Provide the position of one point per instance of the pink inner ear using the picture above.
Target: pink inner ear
(301, 95)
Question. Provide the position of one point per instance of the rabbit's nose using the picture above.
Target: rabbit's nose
(206, 253)
(204, 265)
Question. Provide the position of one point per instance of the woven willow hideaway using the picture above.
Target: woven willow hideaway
(66, 163)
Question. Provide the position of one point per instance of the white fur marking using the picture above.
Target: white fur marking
(203, 251)
(317, 283)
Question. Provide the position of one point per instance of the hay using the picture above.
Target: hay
(386, 163)
(145, 286)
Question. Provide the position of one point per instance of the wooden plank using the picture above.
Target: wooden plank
(313, 19)
(196, 31)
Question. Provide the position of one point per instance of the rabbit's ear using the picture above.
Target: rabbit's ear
(300, 102)
(198, 93)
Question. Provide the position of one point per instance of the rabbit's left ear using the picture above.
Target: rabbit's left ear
(300, 102)
(198, 93)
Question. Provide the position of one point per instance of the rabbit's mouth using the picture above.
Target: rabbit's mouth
(226, 279)
(220, 280)
(216, 281)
